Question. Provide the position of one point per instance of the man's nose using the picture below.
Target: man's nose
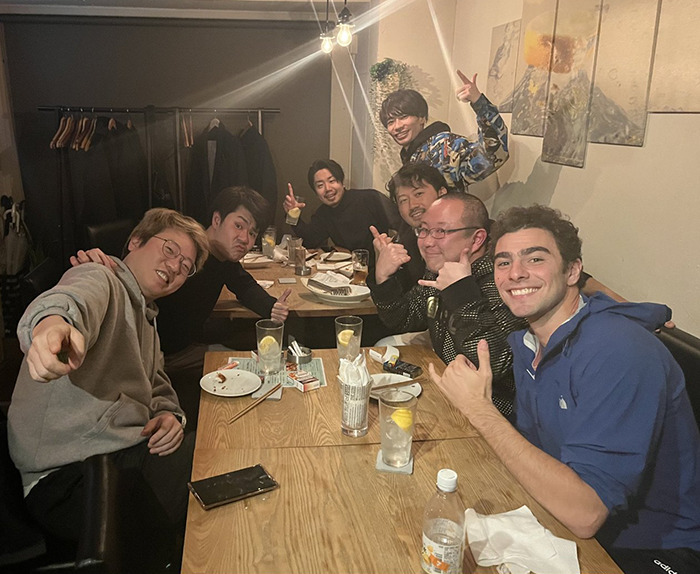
(517, 270)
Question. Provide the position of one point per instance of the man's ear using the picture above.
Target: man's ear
(134, 243)
(479, 239)
(574, 272)
(442, 191)
(215, 219)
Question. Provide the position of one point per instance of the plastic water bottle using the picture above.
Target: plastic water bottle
(443, 527)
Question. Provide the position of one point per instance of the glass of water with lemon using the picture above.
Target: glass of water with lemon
(269, 336)
(348, 334)
(397, 417)
(269, 239)
(294, 213)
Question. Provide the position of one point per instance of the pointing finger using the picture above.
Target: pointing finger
(462, 76)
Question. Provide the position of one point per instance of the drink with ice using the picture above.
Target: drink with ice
(348, 333)
(269, 238)
(294, 213)
(269, 337)
(397, 410)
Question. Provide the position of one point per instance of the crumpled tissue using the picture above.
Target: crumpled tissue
(517, 543)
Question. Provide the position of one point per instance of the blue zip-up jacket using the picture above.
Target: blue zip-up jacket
(608, 400)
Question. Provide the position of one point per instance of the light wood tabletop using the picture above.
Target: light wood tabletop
(302, 303)
(333, 511)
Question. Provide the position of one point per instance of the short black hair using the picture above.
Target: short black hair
(230, 199)
(541, 217)
(403, 103)
(414, 175)
(332, 166)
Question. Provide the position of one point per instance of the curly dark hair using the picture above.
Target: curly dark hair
(415, 175)
(540, 217)
(403, 103)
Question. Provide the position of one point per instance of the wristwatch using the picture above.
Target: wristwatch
(182, 418)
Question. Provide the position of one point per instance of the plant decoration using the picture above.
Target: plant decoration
(385, 77)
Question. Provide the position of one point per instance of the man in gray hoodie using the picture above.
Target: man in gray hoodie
(92, 379)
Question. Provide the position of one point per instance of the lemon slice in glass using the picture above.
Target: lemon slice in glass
(268, 345)
(345, 336)
(294, 212)
(403, 418)
(270, 241)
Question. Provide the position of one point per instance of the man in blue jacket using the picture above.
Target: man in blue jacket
(606, 438)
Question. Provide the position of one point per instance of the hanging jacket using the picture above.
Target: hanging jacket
(262, 176)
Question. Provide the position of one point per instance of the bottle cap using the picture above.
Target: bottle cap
(447, 480)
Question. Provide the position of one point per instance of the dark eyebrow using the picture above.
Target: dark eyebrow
(501, 255)
(534, 249)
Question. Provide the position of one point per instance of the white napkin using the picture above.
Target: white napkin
(354, 372)
(331, 279)
(517, 543)
(344, 267)
(279, 254)
(265, 283)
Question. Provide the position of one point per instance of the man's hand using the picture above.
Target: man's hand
(290, 201)
(280, 310)
(57, 349)
(450, 272)
(93, 256)
(390, 256)
(468, 92)
(465, 386)
(166, 434)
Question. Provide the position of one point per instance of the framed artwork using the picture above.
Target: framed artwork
(504, 55)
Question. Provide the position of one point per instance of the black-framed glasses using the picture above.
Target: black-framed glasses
(172, 250)
(438, 232)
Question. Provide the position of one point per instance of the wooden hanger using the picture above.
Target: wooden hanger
(59, 131)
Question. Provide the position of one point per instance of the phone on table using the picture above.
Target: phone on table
(403, 368)
(231, 486)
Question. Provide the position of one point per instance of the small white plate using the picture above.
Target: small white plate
(338, 256)
(389, 378)
(237, 384)
(357, 293)
(255, 261)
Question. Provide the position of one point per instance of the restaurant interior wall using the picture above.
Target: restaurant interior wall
(636, 208)
(135, 62)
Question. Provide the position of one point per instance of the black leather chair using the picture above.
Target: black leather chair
(685, 348)
(110, 237)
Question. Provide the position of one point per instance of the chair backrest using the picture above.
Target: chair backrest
(110, 237)
(685, 348)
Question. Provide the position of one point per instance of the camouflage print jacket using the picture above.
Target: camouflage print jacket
(460, 161)
(458, 318)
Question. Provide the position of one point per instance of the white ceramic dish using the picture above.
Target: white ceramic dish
(389, 378)
(255, 261)
(357, 293)
(238, 383)
(338, 256)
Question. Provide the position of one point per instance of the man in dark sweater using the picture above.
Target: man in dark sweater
(345, 214)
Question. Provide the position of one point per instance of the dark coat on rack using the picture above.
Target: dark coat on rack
(229, 169)
(262, 176)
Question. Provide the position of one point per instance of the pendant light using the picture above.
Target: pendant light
(327, 34)
(344, 37)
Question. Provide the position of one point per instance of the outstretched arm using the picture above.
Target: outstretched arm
(57, 349)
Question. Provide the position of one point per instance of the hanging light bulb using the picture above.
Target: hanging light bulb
(327, 34)
(344, 37)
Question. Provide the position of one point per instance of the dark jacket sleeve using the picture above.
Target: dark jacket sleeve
(401, 311)
(315, 233)
(248, 292)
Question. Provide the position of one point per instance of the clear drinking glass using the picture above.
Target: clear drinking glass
(294, 213)
(292, 245)
(360, 266)
(269, 239)
(397, 416)
(269, 336)
(348, 334)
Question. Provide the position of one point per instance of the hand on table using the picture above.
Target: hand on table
(468, 92)
(94, 255)
(57, 349)
(280, 310)
(166, 434)
(450, 272)
(290, 200)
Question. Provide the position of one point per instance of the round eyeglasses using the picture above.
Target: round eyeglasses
(172, 251)
(437, 232)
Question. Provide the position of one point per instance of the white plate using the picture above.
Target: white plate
(238, 383)
(255, 261)
(357, 293)
(338, 256)
(387, 379)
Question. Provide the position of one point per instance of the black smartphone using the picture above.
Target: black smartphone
(403, 368)
(231, 486)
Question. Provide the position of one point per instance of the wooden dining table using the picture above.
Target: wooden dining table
(333, 511)
(302, 302)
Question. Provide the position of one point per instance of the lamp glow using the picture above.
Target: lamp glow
(326, 44)
(344, 37)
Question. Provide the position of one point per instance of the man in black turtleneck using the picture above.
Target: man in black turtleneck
(404, 114)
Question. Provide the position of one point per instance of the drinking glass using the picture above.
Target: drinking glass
(269, 336)
(360, 265)
(292, 245)
(294, 213)
(397, 416)
(269, 239)
(348, 334)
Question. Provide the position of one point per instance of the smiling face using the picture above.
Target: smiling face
(231, 238)
(532, 281)
(157, 275)
(328, 189)
(413, 202)
(445, 214)
(404, 129)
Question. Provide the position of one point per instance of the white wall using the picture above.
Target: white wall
(637, 208)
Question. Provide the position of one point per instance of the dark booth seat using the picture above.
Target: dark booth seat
(685, 348)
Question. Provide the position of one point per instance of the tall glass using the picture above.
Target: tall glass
(348, 334)
(360, 266)
(355, 399)
(294, 213)
(292, 245)
(269, 239)
(397, 417)
(269, 336)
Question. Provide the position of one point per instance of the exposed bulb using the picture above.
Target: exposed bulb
(326, 44)
(344, 37)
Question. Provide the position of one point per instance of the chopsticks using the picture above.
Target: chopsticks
(254, 403)
(391, 385)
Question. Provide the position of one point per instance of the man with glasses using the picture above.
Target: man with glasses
(456, 300)
(92, 380)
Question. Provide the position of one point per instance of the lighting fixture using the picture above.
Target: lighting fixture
(344, 37)
(327, 34)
